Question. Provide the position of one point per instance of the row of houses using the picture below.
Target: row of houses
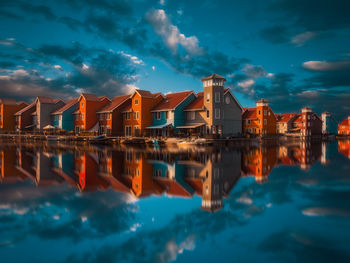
(213, 112)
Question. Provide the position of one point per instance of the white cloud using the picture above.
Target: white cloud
(171, 35)
(246, 84)
(327, 66)
(162, 2)
(270, 75)
(20, 73)
(180, 12)
(132, 58)
(309, 94)
(302, 38)
(85, 67)
(57, 67)
(153, 68)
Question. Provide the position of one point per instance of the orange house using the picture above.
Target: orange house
(140, 172)
(138, 116)
(86, 168)
(344, 127)
(344, 147)
(86, 114)
(7, 110)
(259, 163)
(111, 117)
(259, 121)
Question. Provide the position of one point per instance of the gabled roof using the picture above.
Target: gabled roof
(116, 102)
(43, 99)
(226, 91)
(298, 118)
(345, 122)
(213, 76)
(172, 100)
(197, 103)
(26, 108)
(69, 104)
(249, 113)
(89, 97)
(285, 117)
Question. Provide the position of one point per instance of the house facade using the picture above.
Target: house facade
(86, 115)
(307, 123)
(110, 117)
(215, 111)
(63, 118)
(259, 121)
(329, 124)
(284, 122)
(169, 114)
(344, 127)
(24, 118)
(8, 108)
(44, 107)
(138, 115)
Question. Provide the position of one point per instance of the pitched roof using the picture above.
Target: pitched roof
(213, 76)
(285, 117)
(89, 96)
(116, 102)
(144, 93)
(197, 103)
(172, 100)
(249, 113)
(26, 108)
(298, 118)
(345, 122)
(66, 107)
(43, 99)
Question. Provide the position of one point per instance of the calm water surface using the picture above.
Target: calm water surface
(63, 203)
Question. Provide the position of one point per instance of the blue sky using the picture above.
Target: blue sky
(293, 53)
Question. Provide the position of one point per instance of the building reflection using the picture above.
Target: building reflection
(210, 175)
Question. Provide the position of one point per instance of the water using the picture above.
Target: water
(66, 203)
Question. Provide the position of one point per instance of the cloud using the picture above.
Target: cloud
(170, 34)
(327, 65)
(300, 39)
(254, 71)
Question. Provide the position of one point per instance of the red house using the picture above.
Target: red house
(344, 127)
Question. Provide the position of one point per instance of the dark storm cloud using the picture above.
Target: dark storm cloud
(299, 21)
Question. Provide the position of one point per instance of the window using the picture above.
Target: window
(208, 114)
(82, 116)
(265, 112)
(136, 115)
(308, 117)
(109, 116)
(137, 172)
(227, 100)
(217, 97)
(166, 115)
(208, 97)
(192, 115)
(127, 115)
(248, 121)
(136, 102)
(136, 131)
(259, 112)
(101, 117)
(157, 115)
(269, 113)
(265, 122)
(217, 113)
(259, 121)
(82, 104)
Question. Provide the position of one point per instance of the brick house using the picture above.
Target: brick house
(344, 127)
(259, 121)
(110, 117)
(138, 115)
(8, 108)
(284, 122)
(306, 123)
(86, 114)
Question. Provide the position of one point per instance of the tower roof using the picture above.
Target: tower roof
(213, 76)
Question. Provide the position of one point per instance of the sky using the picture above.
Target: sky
(294, 53)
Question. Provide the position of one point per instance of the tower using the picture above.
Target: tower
(306, 113)
(213, 103)
(262, 111)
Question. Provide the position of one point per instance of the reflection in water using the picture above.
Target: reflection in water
(274, 204)
(211, 175)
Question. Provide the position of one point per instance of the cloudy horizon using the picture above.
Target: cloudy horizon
(293, 53)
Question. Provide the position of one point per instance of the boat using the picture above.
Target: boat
(99, 139)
